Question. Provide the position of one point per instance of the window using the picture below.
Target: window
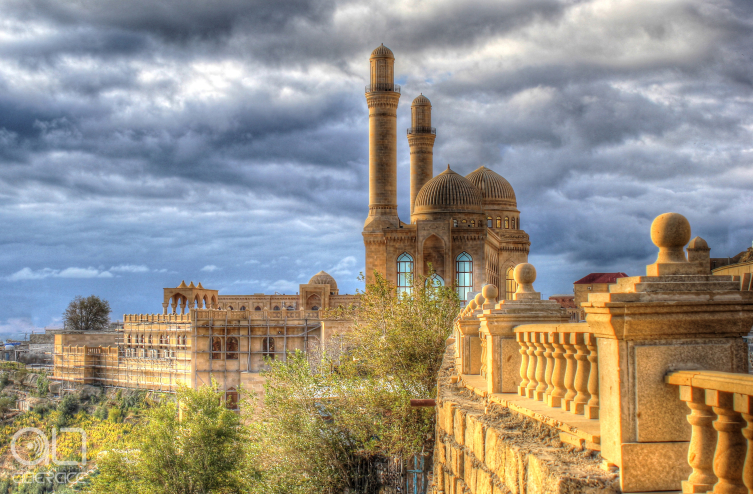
(229, 307)
(465, 221)
(243, 307)
(455, 223)
(464, 275)
(231, 399)
(489, 223)
(216, 348)
(232, 348)
(435, 280)
(510, 285)
(150, 339)
(507, 222)
(473, 223)
(268, 347)
(277, 307)
(405, 272)
(257, 308)
(499, 222)
(513, 223)
(314, 307)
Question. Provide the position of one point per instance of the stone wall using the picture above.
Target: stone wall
(485, 448)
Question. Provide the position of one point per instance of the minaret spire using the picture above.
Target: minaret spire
(421, 137)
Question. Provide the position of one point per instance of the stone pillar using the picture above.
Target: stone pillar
(503, 358)
(678, 317)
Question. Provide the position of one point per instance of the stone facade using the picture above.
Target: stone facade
(464, 230)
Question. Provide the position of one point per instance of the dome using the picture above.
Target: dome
(448, 191)
(421, 101)
(382, 52)
(493, 186)
(698, 243)
(323, 278)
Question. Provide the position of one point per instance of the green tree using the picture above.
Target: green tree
(87, 314)
(319, 421)
(192, 448)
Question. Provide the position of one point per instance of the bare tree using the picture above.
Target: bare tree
(87, 314)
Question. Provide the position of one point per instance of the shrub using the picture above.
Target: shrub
(43, 385)
(67, 408)
(114, 415)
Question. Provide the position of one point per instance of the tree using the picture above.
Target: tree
(87, 314)
(320, 421)
(200, 452)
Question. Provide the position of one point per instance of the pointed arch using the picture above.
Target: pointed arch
(313, 302)
(232, 348)
(510, 284)
(433, 251)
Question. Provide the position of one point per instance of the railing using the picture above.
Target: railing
(157, 318)
(721, 419)
(560, 367)
(422, 130)
(383, 86)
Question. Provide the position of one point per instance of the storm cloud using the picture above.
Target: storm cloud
(147, 142)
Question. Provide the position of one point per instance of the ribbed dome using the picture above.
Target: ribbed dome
(421, 101)
(323, 278)
(448, 191)
(382, 52)
(492, 185)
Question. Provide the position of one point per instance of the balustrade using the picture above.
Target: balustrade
(559, 366)
(721, 418)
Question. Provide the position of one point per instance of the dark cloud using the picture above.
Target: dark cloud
(142, 142)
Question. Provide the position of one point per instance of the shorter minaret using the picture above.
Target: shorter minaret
(421, 137)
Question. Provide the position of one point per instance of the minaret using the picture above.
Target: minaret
(382, 95)
(421, 137)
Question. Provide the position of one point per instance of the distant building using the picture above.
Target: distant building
(740, 265)
(593, 283)
(567, 302)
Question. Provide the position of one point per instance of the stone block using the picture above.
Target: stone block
(474, 354)
(456, 462)
(449, 411)
(470, 425)
(479, 439)
(493, 452)
(459, 426)
(515, 472)
(469, 471)
(441, 452)
(648, 467)
(483, 482)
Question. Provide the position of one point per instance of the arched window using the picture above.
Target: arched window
(216, 348)
(435, 280)
(455, 223)
(231, 399)
(268, 347)
(277, 307)
(150, 339)
(489, 222)
(129, 339)
(257, 308)
(184, 340)
(513, 223)
(232, 348)
(507, 222)
(229, 307)
(510, 285)
(464, 274)
(243, 307)
(499, 222)
(314, 307)
(404, 273)
(473, 223)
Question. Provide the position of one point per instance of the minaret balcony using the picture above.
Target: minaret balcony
(422, 130)
(383, 86)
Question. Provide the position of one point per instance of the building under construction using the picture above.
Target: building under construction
(201, 336)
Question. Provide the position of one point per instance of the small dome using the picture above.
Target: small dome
(698, 243)
(382, 52)
(323, 278)
(421, 101)
(448, 191)
(183, 284)
(492, 185)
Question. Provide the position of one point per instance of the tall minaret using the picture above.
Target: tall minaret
(382, 95)
(421, 137)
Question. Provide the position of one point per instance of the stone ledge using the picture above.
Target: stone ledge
(574, 429)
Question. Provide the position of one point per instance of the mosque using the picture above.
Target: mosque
(463, 231)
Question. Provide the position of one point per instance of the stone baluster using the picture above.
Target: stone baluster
(581, 376)
(548, 351)
(702, 441)
(730, 444)
(570, 368)
(540, 367)
(744, 405)
(558, 373)
(532, 382)
(591, 409)
(523, 363)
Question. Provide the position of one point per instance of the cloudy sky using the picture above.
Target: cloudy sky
(144, 142)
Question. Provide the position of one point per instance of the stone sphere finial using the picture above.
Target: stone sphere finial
(524, 274)
(670, 232)
(490, 292)
(479, 299)
(472, 304)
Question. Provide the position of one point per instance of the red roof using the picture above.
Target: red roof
(600, 278)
